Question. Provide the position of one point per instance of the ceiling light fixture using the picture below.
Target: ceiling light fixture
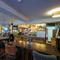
(19, 0)
(56, 14)
(53, 10)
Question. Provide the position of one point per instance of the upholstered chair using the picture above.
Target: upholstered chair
(39, 56)
(10, 50)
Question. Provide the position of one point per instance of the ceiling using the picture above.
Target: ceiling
(32, 9)
(7, 13)
(7, 19)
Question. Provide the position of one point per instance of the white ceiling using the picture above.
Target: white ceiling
(6, 19)
(28, 10)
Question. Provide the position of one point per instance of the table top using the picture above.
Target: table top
(3, 38)
(43, 48)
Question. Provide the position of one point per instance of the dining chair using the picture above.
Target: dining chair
(2, 56)
(39, 56)
(2, 47)
(10, 50)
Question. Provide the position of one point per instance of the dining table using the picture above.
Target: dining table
(4, 38)
(39, 47)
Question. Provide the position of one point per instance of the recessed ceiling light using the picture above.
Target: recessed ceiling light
(19, 0)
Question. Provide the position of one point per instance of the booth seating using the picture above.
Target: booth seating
(31, 38)
(38, 39)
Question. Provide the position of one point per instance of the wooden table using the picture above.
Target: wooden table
(3, 38)
(42, 48)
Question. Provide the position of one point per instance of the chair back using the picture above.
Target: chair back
(10, 49)
(39, 56)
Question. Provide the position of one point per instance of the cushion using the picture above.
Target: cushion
(39, 56)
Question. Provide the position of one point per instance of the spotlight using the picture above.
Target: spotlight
(19, 0)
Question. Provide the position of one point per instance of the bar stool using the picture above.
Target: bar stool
(10, 50)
